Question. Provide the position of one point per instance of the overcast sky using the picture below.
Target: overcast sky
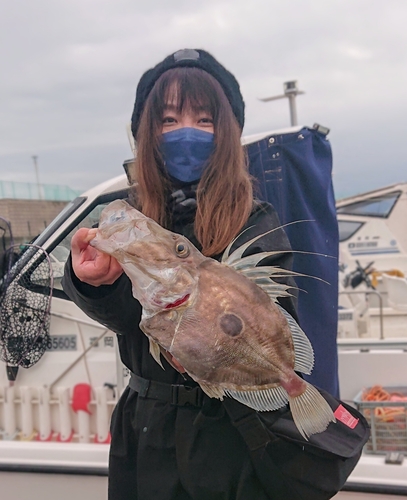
(69, 70)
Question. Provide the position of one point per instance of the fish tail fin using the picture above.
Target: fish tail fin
(311, 413)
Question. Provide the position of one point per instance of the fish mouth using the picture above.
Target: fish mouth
(161, 303)
(178, 302)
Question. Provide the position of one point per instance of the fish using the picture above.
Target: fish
(219, 320)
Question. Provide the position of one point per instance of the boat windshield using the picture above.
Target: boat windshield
(379, 206)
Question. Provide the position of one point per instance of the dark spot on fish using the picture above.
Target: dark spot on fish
(231, 324)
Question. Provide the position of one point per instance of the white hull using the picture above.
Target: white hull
(83, 467)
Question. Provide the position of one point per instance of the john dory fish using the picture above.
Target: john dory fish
(220, 321)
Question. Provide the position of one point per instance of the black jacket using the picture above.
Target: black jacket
(159, 450)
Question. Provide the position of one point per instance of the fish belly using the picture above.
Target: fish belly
(232, 335)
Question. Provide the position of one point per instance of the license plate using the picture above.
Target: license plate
(62, 343)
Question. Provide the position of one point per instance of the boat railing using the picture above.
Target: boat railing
(380, 298)
(47, 412)
(370, 344)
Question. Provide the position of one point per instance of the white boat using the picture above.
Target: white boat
(373, 251)
(54, 419)
(372, 227)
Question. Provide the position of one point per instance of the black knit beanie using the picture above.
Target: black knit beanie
(191, 58)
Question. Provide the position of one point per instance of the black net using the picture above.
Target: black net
(25, 299)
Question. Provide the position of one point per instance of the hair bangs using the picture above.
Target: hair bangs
(187, 89)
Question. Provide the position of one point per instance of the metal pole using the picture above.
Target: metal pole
(37, 176)
(290, 91)
(293, 109)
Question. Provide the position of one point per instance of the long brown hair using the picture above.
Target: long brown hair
(224, 193)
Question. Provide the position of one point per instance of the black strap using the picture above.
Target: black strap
(248, 424)
(257, 438)
(176, 394)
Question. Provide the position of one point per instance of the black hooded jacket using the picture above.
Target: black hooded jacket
(161, 451)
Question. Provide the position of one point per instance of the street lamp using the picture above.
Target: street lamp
(290, 91)
(35, 158)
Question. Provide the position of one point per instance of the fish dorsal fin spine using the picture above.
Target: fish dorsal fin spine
(262, 277)
(237, 254)
(248, 266)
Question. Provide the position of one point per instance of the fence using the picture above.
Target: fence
(30, 191)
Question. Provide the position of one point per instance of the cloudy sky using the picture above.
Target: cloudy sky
(69, 70)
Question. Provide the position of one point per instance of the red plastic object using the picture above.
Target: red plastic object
(81, 398)
(342, 414)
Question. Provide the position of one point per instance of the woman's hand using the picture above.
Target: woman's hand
(90, 265)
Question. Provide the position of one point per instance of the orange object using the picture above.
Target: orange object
(383, 413)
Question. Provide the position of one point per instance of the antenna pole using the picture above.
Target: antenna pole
(290, 91)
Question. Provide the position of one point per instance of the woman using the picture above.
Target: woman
(169, 441)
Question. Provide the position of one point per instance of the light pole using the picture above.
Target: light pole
(35, 158)
(290, 91)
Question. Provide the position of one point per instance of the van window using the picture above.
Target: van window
(380, 206)
(60, 219)
(60, 253)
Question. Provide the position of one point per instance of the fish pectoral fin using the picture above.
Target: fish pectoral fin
(311, 413)
(155, 351)
(261, 399)
(213, 391)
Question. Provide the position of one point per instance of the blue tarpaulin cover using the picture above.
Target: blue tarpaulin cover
(294, 172)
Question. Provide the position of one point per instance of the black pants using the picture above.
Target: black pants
(164, 452)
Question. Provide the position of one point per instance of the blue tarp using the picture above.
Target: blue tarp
(294, 172)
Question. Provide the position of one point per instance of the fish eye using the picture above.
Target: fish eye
(182, 250)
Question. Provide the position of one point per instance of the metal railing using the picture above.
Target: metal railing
(396, 344)
(371, 292)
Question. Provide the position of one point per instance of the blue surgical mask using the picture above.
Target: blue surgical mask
(186, 152)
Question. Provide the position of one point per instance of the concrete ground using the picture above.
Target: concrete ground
(350, 495)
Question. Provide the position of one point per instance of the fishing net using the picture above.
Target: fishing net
(25, 299)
